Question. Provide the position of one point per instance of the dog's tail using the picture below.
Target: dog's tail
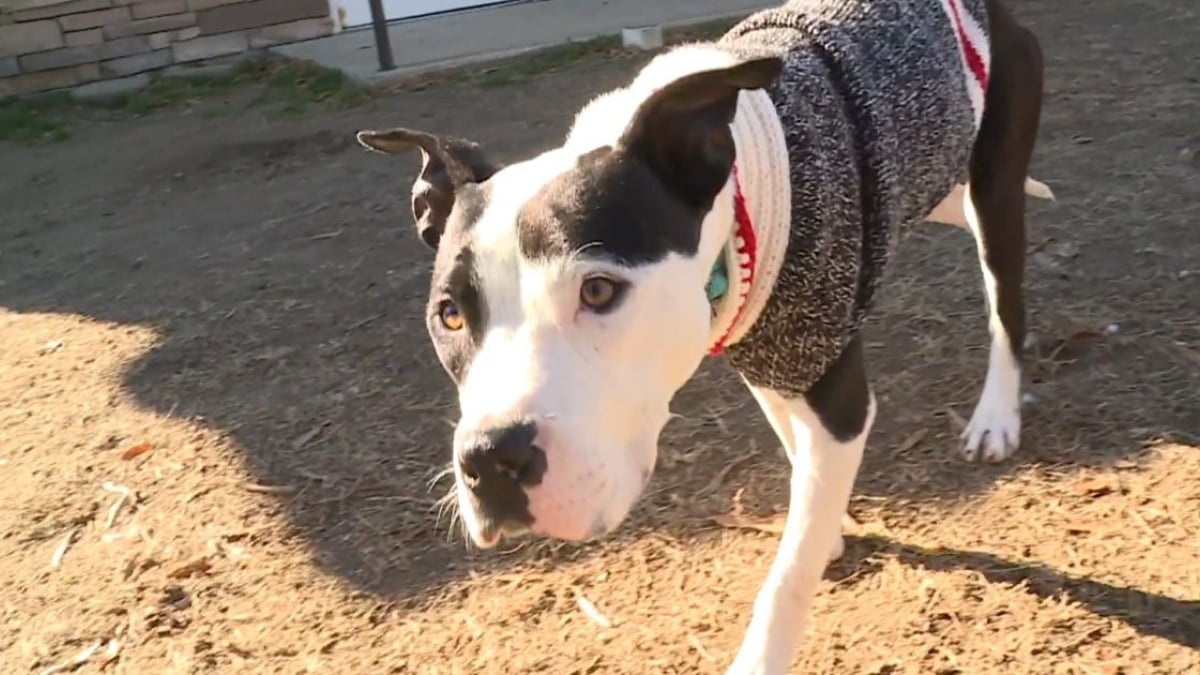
(951, 209)
(1036, 188)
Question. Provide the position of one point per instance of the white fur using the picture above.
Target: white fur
(1036, 188)
(950, 211)
(823, 472)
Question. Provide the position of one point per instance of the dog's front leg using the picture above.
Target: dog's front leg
(824, 432)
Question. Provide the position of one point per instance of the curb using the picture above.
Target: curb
(415, 71)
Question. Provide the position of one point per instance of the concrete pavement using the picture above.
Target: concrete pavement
(439, 42)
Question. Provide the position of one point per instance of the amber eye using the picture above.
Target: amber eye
(599, 294)
(451, 318)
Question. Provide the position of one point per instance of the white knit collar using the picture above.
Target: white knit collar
(758, 237)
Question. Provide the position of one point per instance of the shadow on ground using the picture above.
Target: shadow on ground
(1149, 614)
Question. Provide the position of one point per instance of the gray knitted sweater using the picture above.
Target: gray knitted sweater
(879, 122)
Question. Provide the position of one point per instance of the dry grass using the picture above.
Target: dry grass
(225, 435)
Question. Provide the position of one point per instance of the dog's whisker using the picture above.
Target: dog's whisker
(440, 476)
(446, 504)
(465, 534)
(578, 252)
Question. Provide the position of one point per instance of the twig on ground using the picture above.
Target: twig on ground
(1188, 353)
(1141, 520)
(366, 321)
(771, 524)
(914, 439)
(110, 653)
(191, 569)
(704, 653)
(75, 661)
(308, 437)
(715, 483)
(60, 551)
(589, 609)
(959, 423)
(123, 494)
(137, 451)
(270, 489)
(291, 216)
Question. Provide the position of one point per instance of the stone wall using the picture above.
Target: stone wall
(53, 44)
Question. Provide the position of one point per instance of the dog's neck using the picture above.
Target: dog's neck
(743, 276)
(757, 234)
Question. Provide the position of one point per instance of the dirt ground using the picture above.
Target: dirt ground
(219, 310)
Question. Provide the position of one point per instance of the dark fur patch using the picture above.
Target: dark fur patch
(842, 396)
(609, 205)
(456, 280)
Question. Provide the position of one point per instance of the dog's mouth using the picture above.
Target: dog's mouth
(562, 520)
(490, 534)
(487, 538)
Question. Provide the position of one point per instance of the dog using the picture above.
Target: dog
(740, 197)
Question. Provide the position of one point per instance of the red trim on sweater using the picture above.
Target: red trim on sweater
(747, 250)
(970, 50)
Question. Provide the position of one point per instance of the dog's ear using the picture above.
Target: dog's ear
(682, 130)
(447, 164)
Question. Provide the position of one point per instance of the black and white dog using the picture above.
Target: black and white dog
(739, 197)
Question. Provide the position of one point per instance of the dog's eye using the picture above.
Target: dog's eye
(450, 316)
(600, 294)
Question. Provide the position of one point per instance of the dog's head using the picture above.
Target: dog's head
(568, 304)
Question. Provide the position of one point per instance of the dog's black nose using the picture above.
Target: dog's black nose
(503, 456)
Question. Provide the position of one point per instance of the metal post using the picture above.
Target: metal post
(383, 45)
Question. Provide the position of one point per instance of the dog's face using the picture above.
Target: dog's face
(567, 303)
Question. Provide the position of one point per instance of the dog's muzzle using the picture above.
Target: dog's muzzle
(496, 465)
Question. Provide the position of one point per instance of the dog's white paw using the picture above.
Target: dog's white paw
(747, 669)
(749, 662)
(994, 432)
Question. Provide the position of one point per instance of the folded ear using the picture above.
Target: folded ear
(447, 164)
(682, 130)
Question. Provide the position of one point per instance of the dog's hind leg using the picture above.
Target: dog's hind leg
(825, 432)
(994, 206)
